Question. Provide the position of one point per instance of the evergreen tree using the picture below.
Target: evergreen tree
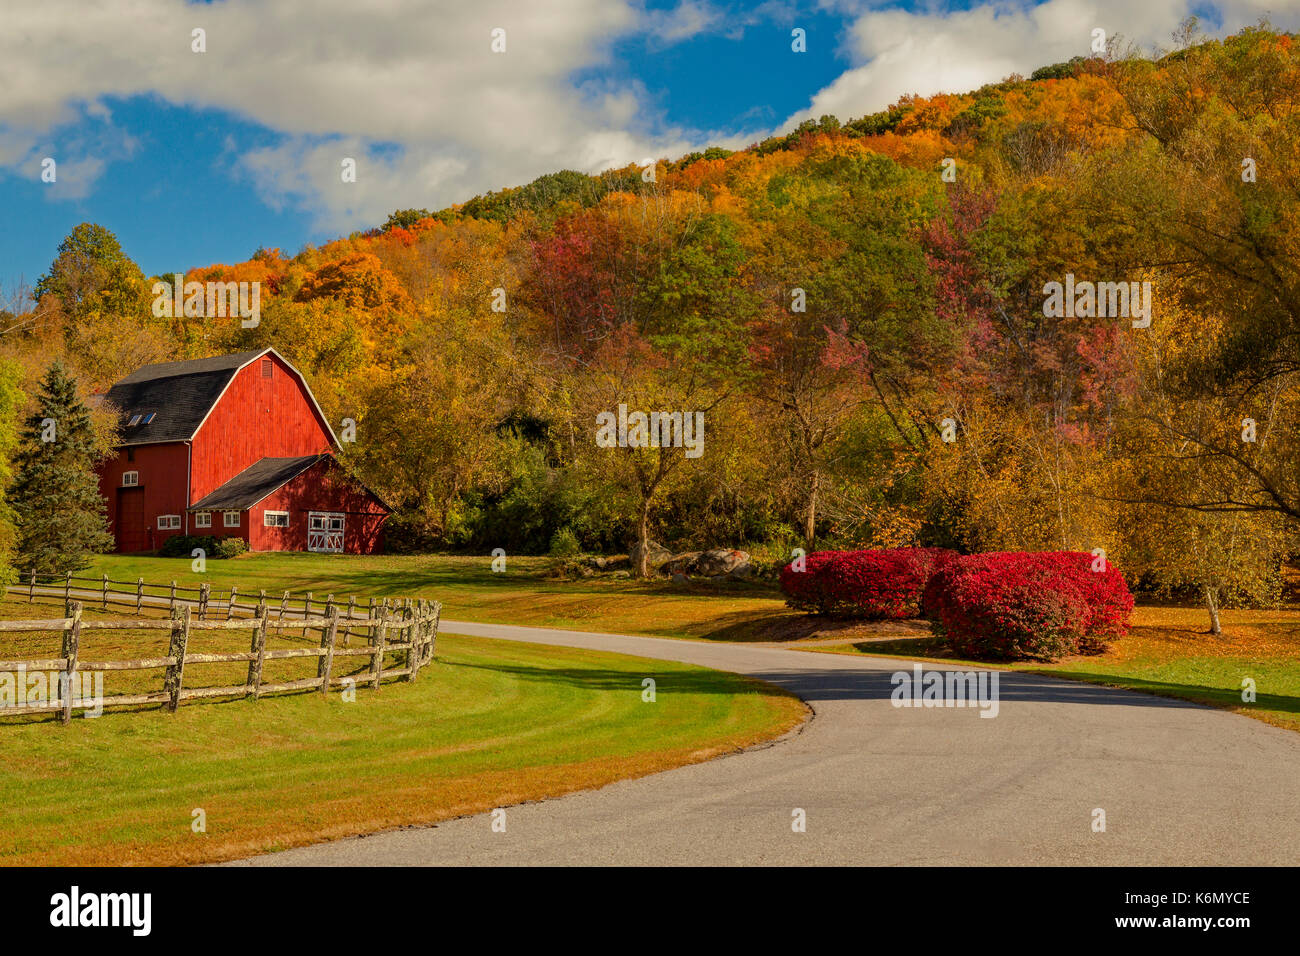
(60, 513)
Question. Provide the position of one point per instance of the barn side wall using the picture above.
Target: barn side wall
(161, 491)
(323, 487)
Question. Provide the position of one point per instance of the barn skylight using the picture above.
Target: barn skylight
(135, 420)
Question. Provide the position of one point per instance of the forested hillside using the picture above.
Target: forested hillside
(857, 309)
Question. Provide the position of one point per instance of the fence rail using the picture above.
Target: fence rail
(207, 600)
(406, 627)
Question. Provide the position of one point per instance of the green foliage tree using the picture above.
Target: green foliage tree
(60, 514)
(92, 277)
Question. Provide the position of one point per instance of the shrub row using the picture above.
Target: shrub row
(183, 545)
(869, 584)
(1000, 605)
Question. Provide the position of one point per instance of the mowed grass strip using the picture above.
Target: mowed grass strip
(489, 723)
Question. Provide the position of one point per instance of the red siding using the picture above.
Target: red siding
(323, 487)
(162, 488)
(256, 418)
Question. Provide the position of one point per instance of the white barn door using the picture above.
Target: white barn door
(325, 531)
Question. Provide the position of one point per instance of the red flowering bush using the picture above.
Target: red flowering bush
(870, 584)
(1008, 605)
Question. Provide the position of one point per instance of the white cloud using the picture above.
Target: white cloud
(688, 19)
(411, 88)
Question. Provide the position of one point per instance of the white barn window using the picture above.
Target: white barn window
(169, 522)
(230, 519)
(275, 519)
(130, 479)
(203, 519)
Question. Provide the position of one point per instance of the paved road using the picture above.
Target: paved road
(1179, 784)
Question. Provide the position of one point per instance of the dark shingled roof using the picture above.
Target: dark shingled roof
(255, 482)
(180, 394)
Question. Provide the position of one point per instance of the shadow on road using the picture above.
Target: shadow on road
(817, 684)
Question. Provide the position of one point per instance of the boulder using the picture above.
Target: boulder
(718, 561)
(679, 579)
(657, 554)
(679, 563)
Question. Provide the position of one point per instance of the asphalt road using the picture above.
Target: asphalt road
(882, 785)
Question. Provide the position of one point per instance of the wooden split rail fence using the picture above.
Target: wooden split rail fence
(406, 627)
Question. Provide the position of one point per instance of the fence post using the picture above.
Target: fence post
(413, 646)
(139, 594)
(327, 641)
(105, 592)
(306, 613)
(230, 605)
(347, 628)
(377, 661)
(205, 591)
(284, 602)
(258, 648)
(31, 591)
(176, 672)
(171, 601)
(71, 640)
(67, 588)
(433, 637)
(371, 631)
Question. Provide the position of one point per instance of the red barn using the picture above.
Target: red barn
(232, 446)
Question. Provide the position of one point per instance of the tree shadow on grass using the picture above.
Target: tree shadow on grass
(1197, 693)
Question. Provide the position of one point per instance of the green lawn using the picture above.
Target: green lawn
(489, 723)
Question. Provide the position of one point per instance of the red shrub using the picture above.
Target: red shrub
(1010, 605)
(871, 584)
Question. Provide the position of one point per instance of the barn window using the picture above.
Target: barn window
(135, 420)
(230, 519)
(130, 479)
(203, 519)
(148, 418)
(267, 366)
(169, 522)
(276, 519)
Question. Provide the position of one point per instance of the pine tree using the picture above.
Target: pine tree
(60, 513)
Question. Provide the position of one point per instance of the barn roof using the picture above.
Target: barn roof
(255, 482)
(174, 398)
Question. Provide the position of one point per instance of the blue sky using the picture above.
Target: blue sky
(193, 158)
